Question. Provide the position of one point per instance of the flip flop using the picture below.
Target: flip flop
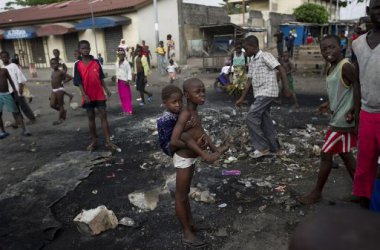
(196, 243)
(258, 154)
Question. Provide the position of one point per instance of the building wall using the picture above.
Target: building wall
(167, 24)
(131, 32)
(55, 42)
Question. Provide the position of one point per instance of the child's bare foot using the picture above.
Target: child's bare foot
(92, 146)
(57, 122)
(311, 198)
(109, 145)
(224, 148)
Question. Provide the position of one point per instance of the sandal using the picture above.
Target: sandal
(3, 135)
(196, 243)
(257, 154)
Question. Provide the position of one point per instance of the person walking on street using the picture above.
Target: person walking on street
(140, 73)
(123, 78)
(19, 81)
(161, 52)
(262, 79)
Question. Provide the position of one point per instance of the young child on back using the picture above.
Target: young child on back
(367, 100)
(172, 99)
(184, 158)
(89, 77)
(9, 101)
(340, 137)
(58, 77)
(172, 70)
(290, 69)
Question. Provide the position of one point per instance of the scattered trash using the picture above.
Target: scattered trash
(203, 196)
(223, 205)
(222, 232)
(94, 191)
(128, 222)
(143, 166)
(262, 208)
(146, 201)
(111, 175)
(74, 105)
(95, 221)
(78, 129)
(280, 189)
(37, 112)
(233, 172)
(240, 209)
(316, 150)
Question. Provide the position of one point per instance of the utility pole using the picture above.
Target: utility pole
(336, 17)
(156, 22)
(182, 40)
(93, 26)
(243, 10)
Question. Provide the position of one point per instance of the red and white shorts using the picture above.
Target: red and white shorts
(339, 142)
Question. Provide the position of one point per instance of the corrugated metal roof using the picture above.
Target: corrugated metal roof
(66, 11)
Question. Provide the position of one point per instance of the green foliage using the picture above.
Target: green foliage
(311, 13)
(30, 2)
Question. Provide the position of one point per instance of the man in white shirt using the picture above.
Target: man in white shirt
(19, 81)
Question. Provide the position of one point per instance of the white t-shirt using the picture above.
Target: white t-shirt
(172, 68)
(123, 71)
(225, 70)
(16, 75)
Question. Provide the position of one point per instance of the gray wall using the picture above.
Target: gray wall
(201, 14)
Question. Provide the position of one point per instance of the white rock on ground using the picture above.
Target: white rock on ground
(145, 200)
(95, 221)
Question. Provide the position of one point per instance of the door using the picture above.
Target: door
(112, 37)
(38, 52)
(71, 44)
(7, 45)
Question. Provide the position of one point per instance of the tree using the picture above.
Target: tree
(9, 4)
(311, 13)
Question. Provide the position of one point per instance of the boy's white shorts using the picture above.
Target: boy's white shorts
(180, 162)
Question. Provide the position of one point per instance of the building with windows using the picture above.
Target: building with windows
(32, 33)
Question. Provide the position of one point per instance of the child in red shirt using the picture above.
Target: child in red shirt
(88, 76)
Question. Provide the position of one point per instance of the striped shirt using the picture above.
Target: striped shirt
(263, 74)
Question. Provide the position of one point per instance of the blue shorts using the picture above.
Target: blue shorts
(6, 99)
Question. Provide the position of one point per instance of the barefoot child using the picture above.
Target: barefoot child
(184, 158)
(290, 69)
(62, 64)
(58, 77)
(367, 99)
(123, 78)
(172, 70)
(141, 71)
(340, 137)
(88, 75)
(7, 100)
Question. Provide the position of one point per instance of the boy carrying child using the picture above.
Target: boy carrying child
(185, 157)
(9, 101)
(58, 77)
